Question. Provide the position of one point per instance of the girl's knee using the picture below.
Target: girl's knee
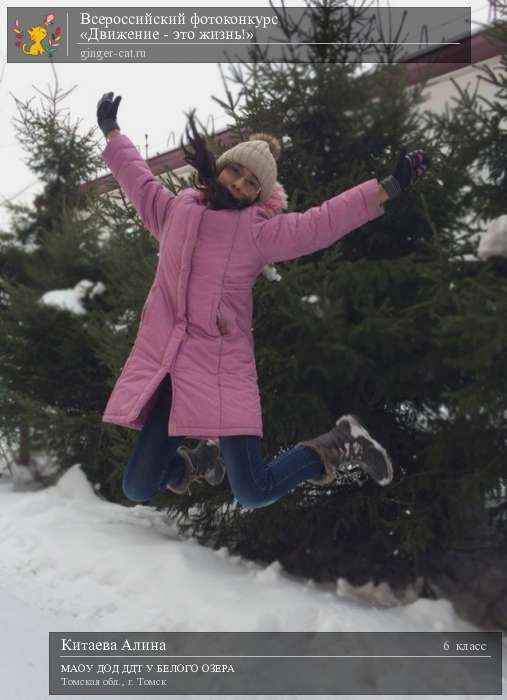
(248, 492)
(245, 503)
(135, 494)
(246, 471)
(251, 499)
(246, 496)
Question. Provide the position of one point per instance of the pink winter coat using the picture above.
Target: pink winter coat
(196, 323)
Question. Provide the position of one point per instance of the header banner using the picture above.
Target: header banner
(239, 34)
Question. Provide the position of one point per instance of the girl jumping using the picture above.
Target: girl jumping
(191, 372)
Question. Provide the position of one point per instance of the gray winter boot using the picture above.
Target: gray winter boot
(350, 454)
(201, 462)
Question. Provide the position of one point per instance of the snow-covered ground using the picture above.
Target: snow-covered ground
(71, 561)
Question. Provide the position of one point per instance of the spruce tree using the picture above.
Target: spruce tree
(472, 334)
(52, 383)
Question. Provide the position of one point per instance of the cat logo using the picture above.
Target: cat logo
(36, 38)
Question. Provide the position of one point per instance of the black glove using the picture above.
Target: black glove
(409, 167)
(106, 112)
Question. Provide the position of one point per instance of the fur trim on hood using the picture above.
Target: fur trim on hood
(277, 200)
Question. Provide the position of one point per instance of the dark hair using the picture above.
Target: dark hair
(216, 196)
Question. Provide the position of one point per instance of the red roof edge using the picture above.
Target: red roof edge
(474, 49)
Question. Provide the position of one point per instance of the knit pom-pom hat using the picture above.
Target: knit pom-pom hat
(259, 154)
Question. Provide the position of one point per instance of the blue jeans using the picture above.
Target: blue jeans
(154, 462)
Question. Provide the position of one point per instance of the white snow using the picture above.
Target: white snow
(494, 239)
(271, 274)
(72, 561)
(70, 299)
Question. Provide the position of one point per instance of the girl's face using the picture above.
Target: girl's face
(240, 182)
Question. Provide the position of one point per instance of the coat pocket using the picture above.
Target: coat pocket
(213, 328)
(225, 318)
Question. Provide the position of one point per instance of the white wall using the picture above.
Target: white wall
(440, 92)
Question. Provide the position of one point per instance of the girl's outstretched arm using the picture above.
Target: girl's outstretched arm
(289, 236)
(150, 198)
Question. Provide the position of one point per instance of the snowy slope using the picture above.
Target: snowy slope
(71, 561)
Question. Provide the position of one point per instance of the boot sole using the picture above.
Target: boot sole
(358, 430)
